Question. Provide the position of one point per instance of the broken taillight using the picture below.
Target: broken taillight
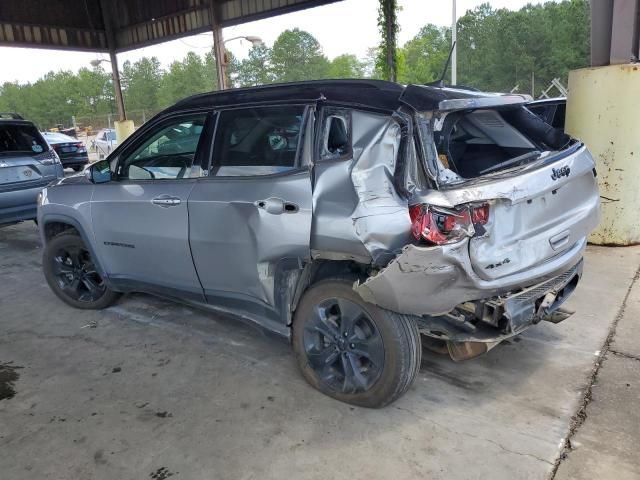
(439, 225)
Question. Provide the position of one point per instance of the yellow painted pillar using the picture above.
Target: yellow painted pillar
(123, 129)
(603, 110)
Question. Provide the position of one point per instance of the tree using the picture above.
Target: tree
(346, 66)
(141, 84)
(256, 68)
(425, 55)
(185, 78)
(297, 55)
(387, 61)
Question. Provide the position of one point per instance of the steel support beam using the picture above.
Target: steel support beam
(111, 45)
(218, 47)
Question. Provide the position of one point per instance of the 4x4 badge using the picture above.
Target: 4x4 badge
(560, 172)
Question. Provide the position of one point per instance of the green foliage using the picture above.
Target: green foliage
(387, 60)
(297, 55)
(497, 50)
(187, 77)
(141, 84)
(424, 56)
(346, 66)
(256, 68)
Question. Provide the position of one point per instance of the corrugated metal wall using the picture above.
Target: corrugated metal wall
(78, 24)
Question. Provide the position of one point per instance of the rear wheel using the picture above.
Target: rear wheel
(351, 350)
(72, 275)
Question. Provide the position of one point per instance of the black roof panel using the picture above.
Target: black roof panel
(372, 93)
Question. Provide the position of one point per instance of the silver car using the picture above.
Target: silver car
(27, 163)
(353, 217)
(105, 142)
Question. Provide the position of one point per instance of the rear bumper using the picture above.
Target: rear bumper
(17, 205)
(499, 318)
(434, 280)
(75, 160)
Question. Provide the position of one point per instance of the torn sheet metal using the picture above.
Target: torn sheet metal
(434, 280)
(377, 222)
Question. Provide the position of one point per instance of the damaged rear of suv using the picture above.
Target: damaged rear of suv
(350, 216)
(500, 214)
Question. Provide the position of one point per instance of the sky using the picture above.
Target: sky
(349, 26)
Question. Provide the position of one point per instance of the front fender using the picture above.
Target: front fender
(45, 218)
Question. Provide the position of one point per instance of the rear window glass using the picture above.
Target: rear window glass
(21, 139)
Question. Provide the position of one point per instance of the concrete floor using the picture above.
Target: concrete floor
(150, 389)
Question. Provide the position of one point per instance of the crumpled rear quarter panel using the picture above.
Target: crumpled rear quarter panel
(357, 212)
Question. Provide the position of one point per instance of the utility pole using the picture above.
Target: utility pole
(454, 54)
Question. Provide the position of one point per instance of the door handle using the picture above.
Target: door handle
(166, 201)
(276, 206)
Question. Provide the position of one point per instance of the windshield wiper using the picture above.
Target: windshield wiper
(513, 161)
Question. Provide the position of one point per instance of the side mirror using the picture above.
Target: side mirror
(99, 172)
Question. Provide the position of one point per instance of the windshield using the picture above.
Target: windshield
(21, 138)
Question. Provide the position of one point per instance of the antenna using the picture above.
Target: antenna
(440, 81)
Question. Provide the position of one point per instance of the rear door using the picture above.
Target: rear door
(250, 219)
(140, 219)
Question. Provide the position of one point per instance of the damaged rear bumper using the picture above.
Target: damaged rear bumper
(438, 286)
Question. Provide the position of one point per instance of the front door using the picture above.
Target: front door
(250, 219)
(141, 220)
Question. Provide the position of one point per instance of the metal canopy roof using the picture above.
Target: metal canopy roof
(81, 25)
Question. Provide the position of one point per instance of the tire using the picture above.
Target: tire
(391, 341)
(77, 168)
(70, 273)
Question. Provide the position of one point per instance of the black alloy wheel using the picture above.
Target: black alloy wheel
(352, 350)
(76, 274)
(344, 346)
(72, 274)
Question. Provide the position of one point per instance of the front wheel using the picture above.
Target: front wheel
(351, 350)
(71, 273)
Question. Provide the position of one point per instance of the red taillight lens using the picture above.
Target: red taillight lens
(480, 214)
(439, 226)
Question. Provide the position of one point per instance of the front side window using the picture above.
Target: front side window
(257, 141)
(168, 153)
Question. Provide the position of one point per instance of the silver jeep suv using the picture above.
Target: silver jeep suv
(350, 216)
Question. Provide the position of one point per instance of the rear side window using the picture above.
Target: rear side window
(257, 141)
(24, 139)
(336, 134)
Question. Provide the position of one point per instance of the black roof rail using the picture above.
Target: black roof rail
(10, 116)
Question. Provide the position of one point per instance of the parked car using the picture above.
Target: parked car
(105, 142)
(27, 163)
(72, 152)
(350, 216)
(551, 110)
